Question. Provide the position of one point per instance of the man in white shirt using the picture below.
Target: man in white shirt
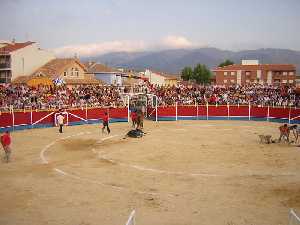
(60, 121)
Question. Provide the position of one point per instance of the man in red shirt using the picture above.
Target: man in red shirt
(6, 141)
(105, 121)
(133, 118)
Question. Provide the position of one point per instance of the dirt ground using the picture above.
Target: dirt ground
(180, 173)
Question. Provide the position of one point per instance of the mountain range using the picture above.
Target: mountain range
(174, 60)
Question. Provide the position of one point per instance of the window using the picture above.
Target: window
(65, 73)
(225, 73)
(76, 72)
(225, 81)
(291, 73)
(291, 81)
(284, 73)
(284, 81)
(248, 73)
(232, 81)
(247, 81)
(232, 73)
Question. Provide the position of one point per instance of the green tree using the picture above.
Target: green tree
(201, 74)
(227, 62)
(187, 73)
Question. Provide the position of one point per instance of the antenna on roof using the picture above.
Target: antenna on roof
(13, 41)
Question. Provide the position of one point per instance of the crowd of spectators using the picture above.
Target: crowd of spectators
(46, 97)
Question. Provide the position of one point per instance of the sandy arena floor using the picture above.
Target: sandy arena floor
(180, 173)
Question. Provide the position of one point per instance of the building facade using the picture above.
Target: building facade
(21, 59)
(104, 73)
(250, 71)
(68, 70)
(160, 79)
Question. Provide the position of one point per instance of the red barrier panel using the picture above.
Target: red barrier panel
(295, 114)
(151, 112)
(36, 116)
(6, 120)
(279, 113)
(261, 112)
(237, 111)
(118, 113)
(96, 113)
(186, 111)
(217, 111)
(169, 111)
(202, 111)
(22, 118)
(77, 112)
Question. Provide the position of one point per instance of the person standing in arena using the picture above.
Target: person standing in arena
(105, 121)
(284, 132)
(133, 118)
(6, 141)
(60, 121)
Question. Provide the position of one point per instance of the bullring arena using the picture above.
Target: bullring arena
(180, 172)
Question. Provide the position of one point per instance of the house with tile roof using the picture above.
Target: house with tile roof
(21, 59)
(250, 71)
(70, 70)
(160, 78)
(104, 73)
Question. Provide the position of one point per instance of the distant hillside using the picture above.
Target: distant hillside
(173, 61)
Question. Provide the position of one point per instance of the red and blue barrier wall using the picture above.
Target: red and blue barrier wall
(46, 118)
(226, 112)
(35, 119)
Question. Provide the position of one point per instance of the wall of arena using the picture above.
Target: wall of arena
(16, 120)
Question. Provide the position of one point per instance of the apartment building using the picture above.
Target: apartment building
(21, 59)
(250, 71)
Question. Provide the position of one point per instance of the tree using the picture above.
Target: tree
(201, 74)
(187, 73)
(227, 62)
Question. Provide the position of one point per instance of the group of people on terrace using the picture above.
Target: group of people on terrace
(49, 97)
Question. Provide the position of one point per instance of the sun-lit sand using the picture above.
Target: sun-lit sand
(184, 172)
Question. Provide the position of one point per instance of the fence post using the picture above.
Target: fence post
(86, 112)
(128, 109)
(156, 110)
(31, 116)
(13, 117)
(206, 110)
(228, 111)
(268, 116)
(249, 113)
(290, 115)
(176, 111)
(197, 111)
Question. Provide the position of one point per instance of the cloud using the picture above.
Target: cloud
(168, 42)
(100, 48)
(172, 41)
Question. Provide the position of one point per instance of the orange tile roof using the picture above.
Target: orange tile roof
(11, 47)
(55, 67)
(273, 67)
(93, 67)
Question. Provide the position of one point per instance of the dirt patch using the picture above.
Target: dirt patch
(78, 144)
(290, 196)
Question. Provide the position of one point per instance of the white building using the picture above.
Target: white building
(21, 59)
(160, 78)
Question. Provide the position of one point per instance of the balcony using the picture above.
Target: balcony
(5, 66)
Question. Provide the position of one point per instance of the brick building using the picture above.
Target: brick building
(250, 71)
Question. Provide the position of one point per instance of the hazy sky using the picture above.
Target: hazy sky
(90, 27)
